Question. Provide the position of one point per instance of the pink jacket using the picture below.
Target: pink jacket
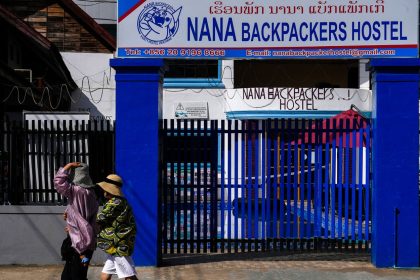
(82, 208)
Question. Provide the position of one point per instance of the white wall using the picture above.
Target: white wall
(95, 78)
(96, 81)
(33, 235)
(214, 97)
(364, 76)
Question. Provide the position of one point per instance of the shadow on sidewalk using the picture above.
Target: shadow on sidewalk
(183, 259)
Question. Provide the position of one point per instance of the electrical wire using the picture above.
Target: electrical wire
(24, 92)
(49, 91)
(87, 89)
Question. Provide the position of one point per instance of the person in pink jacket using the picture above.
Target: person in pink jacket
(73, 182)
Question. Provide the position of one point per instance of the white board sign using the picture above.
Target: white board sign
(267, 29)
(191, 110)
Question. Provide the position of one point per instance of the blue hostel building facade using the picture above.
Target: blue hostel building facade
(310, 139)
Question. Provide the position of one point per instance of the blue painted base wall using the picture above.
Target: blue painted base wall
(138, 110)
(395, 201)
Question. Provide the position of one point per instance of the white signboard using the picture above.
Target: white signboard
(191, 110)
(309, 100)
(267, 29)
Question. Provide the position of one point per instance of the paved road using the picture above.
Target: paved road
(290, 267)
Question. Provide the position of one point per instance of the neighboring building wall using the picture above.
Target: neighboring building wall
(96, 82)
(62, 29)
(103, 12)
(33, 235)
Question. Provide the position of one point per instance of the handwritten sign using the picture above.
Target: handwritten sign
(297, 99)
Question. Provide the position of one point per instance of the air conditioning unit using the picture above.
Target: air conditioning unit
(26, 73)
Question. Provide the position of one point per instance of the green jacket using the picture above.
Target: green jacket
(118, 228)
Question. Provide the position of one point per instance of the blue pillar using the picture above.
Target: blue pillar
(395, 163)
(138, 110)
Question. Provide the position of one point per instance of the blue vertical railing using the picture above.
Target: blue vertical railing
(269, 208)
(302, 184)
(309, 181)
(256, 185)
(340, 181)
(263, 194)
(288, 185)
(236, 183)
(261, 185)
(333, 179)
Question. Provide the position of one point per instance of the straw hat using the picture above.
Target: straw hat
(112, 184)
(80, 176)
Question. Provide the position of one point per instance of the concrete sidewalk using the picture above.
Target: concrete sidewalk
(289, 267)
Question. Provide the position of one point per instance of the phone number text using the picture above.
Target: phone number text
(175, 52)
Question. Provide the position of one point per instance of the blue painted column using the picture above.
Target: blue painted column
(395, 163)
(138, 110)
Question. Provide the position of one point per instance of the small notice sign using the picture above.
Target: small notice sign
(191, 110)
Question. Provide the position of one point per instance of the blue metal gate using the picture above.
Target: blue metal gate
(259, 185)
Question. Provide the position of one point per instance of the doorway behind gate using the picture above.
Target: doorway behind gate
(266, 185)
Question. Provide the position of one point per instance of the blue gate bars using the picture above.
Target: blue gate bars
(262, 185)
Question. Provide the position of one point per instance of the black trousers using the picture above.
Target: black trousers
(74, 269)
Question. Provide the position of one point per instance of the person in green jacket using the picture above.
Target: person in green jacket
(117, 231)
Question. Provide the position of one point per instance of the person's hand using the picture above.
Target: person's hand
(85, 260)
(71, 165)
(65, 216)
(66, 229)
